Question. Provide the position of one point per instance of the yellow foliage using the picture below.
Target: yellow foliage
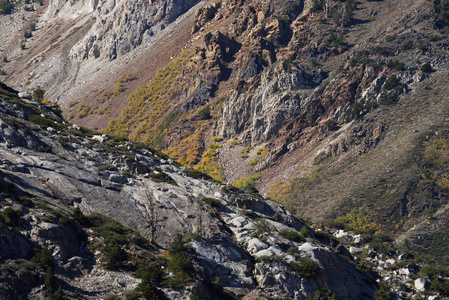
(247, 149)
(148, 105)
(359, 222)
(46, 102)
(82, 111)
(187, 152)
(277, 191)
(436, 154)
(261, 151)
(443, 182)
(209, 153)
(72, 103)
(246, 181)
(254, 162)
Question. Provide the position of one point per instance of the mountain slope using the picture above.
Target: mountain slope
(62, 185)
(315, 103)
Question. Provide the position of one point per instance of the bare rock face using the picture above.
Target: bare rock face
(281, 96)
(119, 26)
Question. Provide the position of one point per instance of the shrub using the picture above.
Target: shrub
(357, 221)
(204, 113)
(106, 167)
(50, 280)
(304, 231)
(305, 267)
(132, 295)
(41, 121)
(262, 227)
(196, 174)
(27, 34)
(396, 65)
(178, 281)
(25, 201)
(407, 46)
(434, 271)
(38, 94)
(162, 177)
(423, 47)
(287, 65)
(45, 149)
(218, 290)
(10, 216)
(57, 295)
(180, 263)
(114, 256)
(42, 258)
(48, 219)
(426, 68)
(261, 151)
(113, 231)
(331, 125)
(442, 13)
(177, 245)
(381, 51)
(247, 182)
(149, 103)
(317, 5)
(390, 99)
(148, 291)
(78, 216)
(324, 293)
(212, 202)
(338, 41)
(384, 292)
(154, 274)
(393, 82)
(292, 250)
(292, 235)
(6, 7)
(440, 285)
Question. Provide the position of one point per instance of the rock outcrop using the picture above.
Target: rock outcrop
(119, 26)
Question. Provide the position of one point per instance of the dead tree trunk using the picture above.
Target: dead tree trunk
(153, 214)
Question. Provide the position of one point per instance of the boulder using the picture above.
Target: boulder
(404, 271)
(422, 284)
(255, 245)
(118, 178)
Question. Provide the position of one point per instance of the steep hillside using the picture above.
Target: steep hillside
(335, 102)
(66, 191)
(78, 57)
(335, 105)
